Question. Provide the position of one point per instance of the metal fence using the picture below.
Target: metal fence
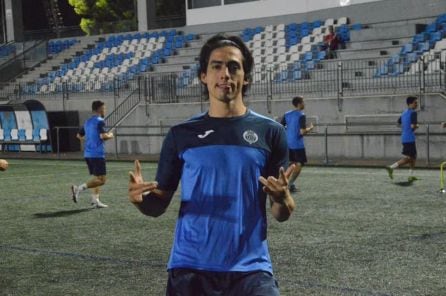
(326, 78)
(329, 143)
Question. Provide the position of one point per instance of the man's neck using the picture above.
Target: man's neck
(226, 109)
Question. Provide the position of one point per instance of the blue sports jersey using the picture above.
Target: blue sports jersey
(93, 144)
(294, 121)
(408, 117)
(222, 219)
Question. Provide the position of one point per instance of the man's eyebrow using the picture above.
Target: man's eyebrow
(221, 62)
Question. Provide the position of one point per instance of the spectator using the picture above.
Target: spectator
(331, 43)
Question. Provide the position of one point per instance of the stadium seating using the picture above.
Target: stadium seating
(289, 50)
(117, 57)
(57, 46)
(428, 47)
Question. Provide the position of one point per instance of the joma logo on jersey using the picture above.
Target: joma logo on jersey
(206, 133)
(250, 136)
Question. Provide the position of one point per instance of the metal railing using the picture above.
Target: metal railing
(19, 63)
(125, 108)
(326, 78)
(324, 143)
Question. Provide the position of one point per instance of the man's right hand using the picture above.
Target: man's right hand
(137, 186)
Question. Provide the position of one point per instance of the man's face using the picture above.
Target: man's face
(101, 111)
(225, 76)
(414, 105)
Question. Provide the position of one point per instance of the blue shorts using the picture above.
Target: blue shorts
(298, 155)
(410, 149)
(96, 166)
(191, 282)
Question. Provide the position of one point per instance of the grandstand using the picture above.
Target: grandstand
(142, 74)
(354, 231)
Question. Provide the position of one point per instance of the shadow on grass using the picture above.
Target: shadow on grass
(436, 236)
(61, 213)
(404, 183)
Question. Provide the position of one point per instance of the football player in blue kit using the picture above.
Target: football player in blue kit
(230, 162)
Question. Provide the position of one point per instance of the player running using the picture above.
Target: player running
(296, 128)
(93, 136)
(409, 123)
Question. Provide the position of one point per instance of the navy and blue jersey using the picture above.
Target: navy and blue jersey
(93, 145)
(294, 121)
(408, 117)
(222, 219)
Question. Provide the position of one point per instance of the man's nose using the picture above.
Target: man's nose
(225, 72)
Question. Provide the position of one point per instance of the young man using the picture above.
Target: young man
(296, 128)
(409, 123)
(220, 245)
(93, 135)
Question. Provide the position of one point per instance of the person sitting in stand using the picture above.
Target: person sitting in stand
(331, 43)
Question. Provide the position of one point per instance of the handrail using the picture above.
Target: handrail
(123, 109)
(20, 56)
(21, 59)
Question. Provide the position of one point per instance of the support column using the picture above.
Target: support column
(151, 14)
(13, 20)
(141, 9)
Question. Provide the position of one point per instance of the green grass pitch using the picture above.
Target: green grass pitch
(354, 232)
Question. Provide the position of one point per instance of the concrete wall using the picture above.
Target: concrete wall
(265, 12)
(341, 142)
(147, 139)
(258, 9)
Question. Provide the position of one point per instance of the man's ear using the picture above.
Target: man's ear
(203, 77)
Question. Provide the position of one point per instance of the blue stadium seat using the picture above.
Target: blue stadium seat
(297, 74)
(356, 27)
(22, 134)
(407, 48)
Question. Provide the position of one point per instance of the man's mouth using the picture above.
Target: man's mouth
(224, 87)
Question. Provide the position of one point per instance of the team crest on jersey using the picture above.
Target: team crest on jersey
(250, 136)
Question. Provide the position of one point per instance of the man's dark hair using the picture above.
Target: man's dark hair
(96, 105)
(410, 100)
(222, 40)
(297, 100)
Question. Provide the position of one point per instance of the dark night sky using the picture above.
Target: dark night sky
(34, 17)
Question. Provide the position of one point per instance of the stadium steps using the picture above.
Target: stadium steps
(184, 58)
(181, 59)
(361, 45)
(385, 33)
(374, 53)
(167, 68)
(368, 43)
(56, 60)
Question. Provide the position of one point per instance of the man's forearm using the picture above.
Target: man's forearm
(153, 205)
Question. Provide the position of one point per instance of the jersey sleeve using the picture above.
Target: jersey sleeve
(414, 118)
(279, 153)
(303, 122)
(283, 121)
(399, 120)
(101, 127)
(170, 165)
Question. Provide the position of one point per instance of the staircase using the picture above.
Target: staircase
(123, 110)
